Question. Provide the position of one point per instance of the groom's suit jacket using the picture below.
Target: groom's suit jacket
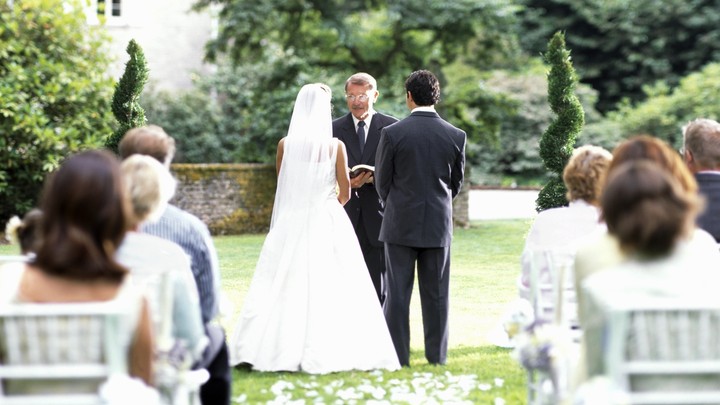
(709, 220)
(364, 199)
(420, 169)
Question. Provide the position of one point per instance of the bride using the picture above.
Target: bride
(311, 306)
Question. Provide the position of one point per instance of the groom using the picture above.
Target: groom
(419, 170)
(364, 208)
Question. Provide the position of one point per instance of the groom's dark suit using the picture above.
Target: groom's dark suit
(419, 170)
(364, 208)
(709, 220)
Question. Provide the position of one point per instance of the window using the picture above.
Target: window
(110, 8)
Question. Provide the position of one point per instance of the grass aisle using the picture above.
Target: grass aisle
(485, 265)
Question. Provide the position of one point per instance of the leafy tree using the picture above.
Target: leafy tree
(125, 104)
(666, 110)
(276, 46)
(516, 158)
(557, 142)
(619, 46)
(54, 94)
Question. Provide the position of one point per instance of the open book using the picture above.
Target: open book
(360, 169)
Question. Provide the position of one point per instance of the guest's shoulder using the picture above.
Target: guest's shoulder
(701, 242)
(176, 221)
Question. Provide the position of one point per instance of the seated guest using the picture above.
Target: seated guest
(604, 250)
(194, 238)
(25, 233)
(150, 187)
(564, 228)
(84, 219)
(702, 156)
(652, 217)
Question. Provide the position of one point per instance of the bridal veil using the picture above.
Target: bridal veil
(308, 150)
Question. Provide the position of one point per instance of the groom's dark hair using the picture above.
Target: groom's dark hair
(423, 87)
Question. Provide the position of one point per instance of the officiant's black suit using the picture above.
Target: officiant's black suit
(419, 170)
(364, 208)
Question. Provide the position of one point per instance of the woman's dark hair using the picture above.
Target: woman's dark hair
(85, 217)
(29, 230)
(646, 208)
(423, 87)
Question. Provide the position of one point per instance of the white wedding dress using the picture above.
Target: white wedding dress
(311, 306)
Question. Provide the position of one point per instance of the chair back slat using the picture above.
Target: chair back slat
(663, 351)
(77, 342)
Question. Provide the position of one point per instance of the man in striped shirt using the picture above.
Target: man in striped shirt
(193, 236)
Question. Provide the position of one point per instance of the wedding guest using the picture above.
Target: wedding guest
(604, 250)
(420, 166)
(194, 238)
(25, 233)
(565, 228)
(701, 152)
(150, 187)
(311, 306)
(84, 219)
(360, 130)
(652, 217)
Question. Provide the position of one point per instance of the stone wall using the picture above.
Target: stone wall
(238, 198)
(229, 198)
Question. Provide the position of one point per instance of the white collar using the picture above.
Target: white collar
(367, 119)
(424, 108)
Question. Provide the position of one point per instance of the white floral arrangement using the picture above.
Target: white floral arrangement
(542, 346)
(600, 390)
(517, 317)
(11, 229)
(121, 389)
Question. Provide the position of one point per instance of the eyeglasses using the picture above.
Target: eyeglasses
(361, 97)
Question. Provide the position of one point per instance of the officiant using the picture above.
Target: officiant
(359, 130)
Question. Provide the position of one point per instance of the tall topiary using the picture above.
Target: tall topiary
(125, 105)
(556, 143)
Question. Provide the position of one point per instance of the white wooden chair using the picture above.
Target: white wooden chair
(552, 290)
(176, 382)
(553, 299)
(72, 348)
(665, 352)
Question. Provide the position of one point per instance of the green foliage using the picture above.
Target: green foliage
(516, 158)
(53, 94)
(125, 105)
(557, 141)
(237, 114)
(620, 46)
(666, 110)
(275, 46)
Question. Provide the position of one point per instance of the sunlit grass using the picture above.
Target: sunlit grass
(484, 268)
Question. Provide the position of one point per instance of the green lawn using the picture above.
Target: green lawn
(485, 265)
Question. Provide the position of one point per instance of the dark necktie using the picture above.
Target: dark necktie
(361, 135)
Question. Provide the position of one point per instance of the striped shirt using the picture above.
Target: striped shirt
(193, 236)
